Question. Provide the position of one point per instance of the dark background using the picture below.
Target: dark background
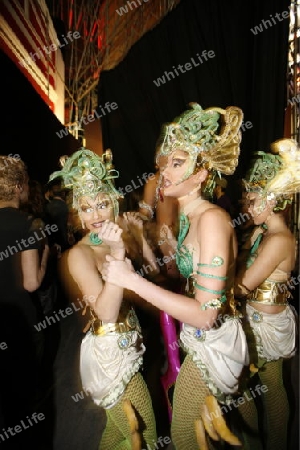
(248, 71)
(28, 126)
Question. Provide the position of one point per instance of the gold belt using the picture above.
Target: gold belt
(271, 293)
(101, 328)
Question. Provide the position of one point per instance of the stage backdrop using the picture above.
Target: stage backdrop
(214, 52)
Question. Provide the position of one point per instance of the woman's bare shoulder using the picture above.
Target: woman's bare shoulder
(215, 216)
(283, 239)
(80, 250)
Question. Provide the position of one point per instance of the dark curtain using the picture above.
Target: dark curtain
(28, 126)
(248, 70)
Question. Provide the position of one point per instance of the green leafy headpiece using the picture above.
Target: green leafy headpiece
(211, 137)
(263, 168)
(88, 174)
(276, 175)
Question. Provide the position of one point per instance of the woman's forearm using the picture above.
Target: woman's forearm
(149, 257)
(182, 308)
(108, 302)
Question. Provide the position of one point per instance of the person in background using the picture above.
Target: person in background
(57, 213)
(35, 208)
(161, 361)
(243, 225)
(163, 211)
(22, 270)
(45, 297)
(75, 232)
(211, 334)
(264, 286)
(111, 353)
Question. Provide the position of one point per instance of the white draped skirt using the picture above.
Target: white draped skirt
(107, 364)
(275, 334)
(219, 353)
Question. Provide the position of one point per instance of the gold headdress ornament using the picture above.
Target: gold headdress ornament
(210, 142)
(276, 175)
(88, 174)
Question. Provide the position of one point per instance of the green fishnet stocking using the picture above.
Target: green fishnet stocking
(249, 426)
(112, 438)
(276, 406)
(116, 435)
(189, 394)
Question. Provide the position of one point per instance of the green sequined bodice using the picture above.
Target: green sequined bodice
(184, 258)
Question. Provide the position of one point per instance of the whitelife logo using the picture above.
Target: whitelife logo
(183, 68)
(49, 48)
(36, 236)
(265, 24)
(90, 118)
(124, 9)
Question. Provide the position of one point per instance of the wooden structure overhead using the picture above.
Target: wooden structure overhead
(108, 29)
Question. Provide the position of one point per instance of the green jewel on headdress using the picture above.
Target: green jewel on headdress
(276, 175)
(264, 167)
(211, 137)
(88, 174)
(192, 132)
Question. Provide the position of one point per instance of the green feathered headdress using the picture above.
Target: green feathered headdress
(211, 137)
(276, 175)
(88, 174)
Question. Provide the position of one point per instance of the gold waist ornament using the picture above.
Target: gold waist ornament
(271, 293)
(129, 323)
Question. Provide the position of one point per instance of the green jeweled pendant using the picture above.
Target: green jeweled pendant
(94, 239)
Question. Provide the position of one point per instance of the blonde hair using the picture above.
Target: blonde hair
(13, 173)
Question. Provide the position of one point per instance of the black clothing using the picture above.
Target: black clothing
(15, 237)
(20, 360)
(57, 213)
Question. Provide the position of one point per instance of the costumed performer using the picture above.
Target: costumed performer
(264, 282)
(190, 148)
(111, 353)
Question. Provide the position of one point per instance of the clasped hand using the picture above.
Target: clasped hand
(110, 234)
(117, 272)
